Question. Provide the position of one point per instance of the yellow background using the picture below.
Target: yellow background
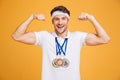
(19, 61)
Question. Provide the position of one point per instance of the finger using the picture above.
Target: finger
(41, 17)
(81, 17)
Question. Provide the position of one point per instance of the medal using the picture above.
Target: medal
(57, 62)
(66, 62)
(61, 62)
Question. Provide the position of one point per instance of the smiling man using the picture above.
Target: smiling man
(61, 49)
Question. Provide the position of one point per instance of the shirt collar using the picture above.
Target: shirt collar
(68, 34)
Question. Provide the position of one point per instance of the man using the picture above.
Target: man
(61, 49)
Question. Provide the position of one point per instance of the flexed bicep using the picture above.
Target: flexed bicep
(20, 33)
(28, 38)
(93, 39)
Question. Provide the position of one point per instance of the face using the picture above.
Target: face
(60, 23)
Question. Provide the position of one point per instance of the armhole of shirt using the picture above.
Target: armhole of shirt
(36, 40)
(85, 35)
(40, 36)
(82, 36)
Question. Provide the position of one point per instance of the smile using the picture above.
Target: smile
(59, 26)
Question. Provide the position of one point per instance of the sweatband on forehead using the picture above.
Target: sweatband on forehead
(59, 13)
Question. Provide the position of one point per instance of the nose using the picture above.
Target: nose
(60, 21)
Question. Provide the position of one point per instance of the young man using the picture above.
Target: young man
(61, 49)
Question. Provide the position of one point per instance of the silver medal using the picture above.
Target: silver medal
(66, 63)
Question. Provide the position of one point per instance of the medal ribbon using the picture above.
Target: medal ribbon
(61, 48)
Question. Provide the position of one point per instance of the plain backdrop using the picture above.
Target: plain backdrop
(19, 61)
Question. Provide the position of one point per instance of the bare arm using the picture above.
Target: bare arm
(101, 37)
(26, 37)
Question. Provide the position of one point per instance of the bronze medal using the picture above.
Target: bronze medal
(54, 63)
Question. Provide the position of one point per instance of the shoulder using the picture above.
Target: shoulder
(41, 32)
(42, 36)
(79, 33)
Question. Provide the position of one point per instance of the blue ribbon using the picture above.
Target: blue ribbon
(59, 48)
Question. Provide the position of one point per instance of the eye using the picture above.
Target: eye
(64, 18)
(56, 19)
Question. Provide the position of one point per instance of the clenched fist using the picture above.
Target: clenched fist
(40, 17)
(85, 16)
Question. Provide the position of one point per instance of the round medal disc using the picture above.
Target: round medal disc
(54, 63)
(57, 62)
(66, 62)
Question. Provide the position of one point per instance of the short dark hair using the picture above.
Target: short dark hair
(60, 8)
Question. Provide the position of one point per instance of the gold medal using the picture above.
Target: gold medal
(60, 62)
(57, 62)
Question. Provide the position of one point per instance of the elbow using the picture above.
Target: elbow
(107, 40)
(15, 37)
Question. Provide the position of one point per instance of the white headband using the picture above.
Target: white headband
(59, 13)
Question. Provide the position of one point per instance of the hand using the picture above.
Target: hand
(85, 16)
(40, 17)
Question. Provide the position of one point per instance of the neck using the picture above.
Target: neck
(63, 35)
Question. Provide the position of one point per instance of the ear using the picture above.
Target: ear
(68, 19)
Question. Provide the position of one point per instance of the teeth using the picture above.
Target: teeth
(60, 26)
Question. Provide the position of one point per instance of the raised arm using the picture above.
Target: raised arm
(26, 37)
(101, 37)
